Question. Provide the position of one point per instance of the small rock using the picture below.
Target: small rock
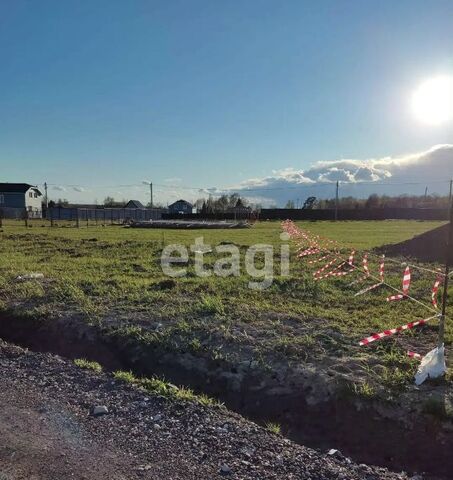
(99, 410)
(333, 452)
(144, 468)
(225, 470)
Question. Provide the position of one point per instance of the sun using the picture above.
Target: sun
(432, 101)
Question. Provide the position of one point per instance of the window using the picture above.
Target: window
(30, 194)
(36, 195)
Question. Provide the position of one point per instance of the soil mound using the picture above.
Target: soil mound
(427, 247)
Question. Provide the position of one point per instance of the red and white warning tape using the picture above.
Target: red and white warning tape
(376, 285)
(365, 269)
(310, 244)
(336, 271)
(340, 274)
(365, 265)
(325, 267)
(309, 251)
(406, 286)
(328, 274)
(351, 258)
(368, 289)
(317, 260)
(381, 268)
(435, 289)
(392, 331)
(417, 356)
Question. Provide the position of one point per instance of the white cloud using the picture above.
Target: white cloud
(391, 175)
(173, 180)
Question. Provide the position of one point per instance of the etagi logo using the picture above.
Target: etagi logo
(258, 261)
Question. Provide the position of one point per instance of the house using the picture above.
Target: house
(134, 204)
(181, 206)
(240, 210)
(18, 198)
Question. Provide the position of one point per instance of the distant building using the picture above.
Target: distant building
(134, 204)
(240, 210)
(181, 206)
(18, 198)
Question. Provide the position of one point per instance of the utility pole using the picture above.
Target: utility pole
(426, 192)
(151, 194)
(448, 262)
(336, 200)
(46, 199)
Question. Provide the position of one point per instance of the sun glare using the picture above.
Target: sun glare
(432, 101)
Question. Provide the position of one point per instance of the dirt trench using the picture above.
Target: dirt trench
(359, 430)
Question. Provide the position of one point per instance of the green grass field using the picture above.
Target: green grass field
(113, 274)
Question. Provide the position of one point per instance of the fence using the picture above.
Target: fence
(19, 213)
(240, 215)
(321, 214)
(84, 216)
(355, 214)
(103, 215)
(124, 215)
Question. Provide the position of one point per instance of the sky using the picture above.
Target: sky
(203, 96)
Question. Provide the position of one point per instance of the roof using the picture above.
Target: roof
(180, 201)
(134, 204)
(17, 188)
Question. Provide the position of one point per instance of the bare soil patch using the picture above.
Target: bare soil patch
(427, 247)
(47, 432)
(305, 401)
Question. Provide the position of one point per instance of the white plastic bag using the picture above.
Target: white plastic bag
(432, 365)
(30, 276)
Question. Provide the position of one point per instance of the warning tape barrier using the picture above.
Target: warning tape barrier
(392, 331)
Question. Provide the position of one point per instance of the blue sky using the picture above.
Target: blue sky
(210, 93)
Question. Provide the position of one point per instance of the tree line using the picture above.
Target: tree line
(224, 203)
(382, 201)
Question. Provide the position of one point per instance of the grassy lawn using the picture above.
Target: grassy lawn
(370, 234)
(112, 276)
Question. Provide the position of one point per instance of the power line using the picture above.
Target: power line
(219, 190)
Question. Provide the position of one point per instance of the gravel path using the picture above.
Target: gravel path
(47, 431)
